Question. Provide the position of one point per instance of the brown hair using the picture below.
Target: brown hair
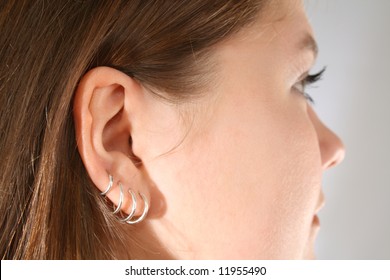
(49, 207)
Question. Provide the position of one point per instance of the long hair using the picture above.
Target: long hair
(49, 206)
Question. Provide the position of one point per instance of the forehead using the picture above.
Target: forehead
(282, 22)
(278, 37)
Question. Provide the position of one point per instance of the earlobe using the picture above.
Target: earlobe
(102, 116)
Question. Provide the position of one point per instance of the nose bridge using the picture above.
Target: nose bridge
(331, 147)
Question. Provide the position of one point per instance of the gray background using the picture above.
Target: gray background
(353, 99)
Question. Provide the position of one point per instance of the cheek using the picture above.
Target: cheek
(294, 186)
(246, 185)
(273, 174)
(256, 178)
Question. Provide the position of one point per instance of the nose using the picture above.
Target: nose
(331, 146)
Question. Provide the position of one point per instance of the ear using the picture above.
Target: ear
(106, 104)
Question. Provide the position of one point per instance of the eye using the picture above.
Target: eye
(308, 80)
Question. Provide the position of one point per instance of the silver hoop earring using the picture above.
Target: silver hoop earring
(144, 213)
(133, 207)
(118, 208)
(109, 186)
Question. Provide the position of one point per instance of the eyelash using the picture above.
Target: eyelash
(310, 80)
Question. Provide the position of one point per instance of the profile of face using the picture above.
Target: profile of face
(235, 173)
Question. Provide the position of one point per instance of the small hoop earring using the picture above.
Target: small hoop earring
(133, 207)
(118, 208)
(109, 186)
(144, 213)
(134, 203)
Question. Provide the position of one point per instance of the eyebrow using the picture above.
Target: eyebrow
(309, 43)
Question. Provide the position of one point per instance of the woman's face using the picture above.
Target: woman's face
(245, 182)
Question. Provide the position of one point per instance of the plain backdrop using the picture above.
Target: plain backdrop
(353, 99)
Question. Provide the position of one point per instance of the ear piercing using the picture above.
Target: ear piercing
(133, 207)
(144, 213)
(129, 219)
(110, 183)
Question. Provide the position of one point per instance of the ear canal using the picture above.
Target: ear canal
(136, 160)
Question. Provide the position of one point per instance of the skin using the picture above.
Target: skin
(235, 174)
